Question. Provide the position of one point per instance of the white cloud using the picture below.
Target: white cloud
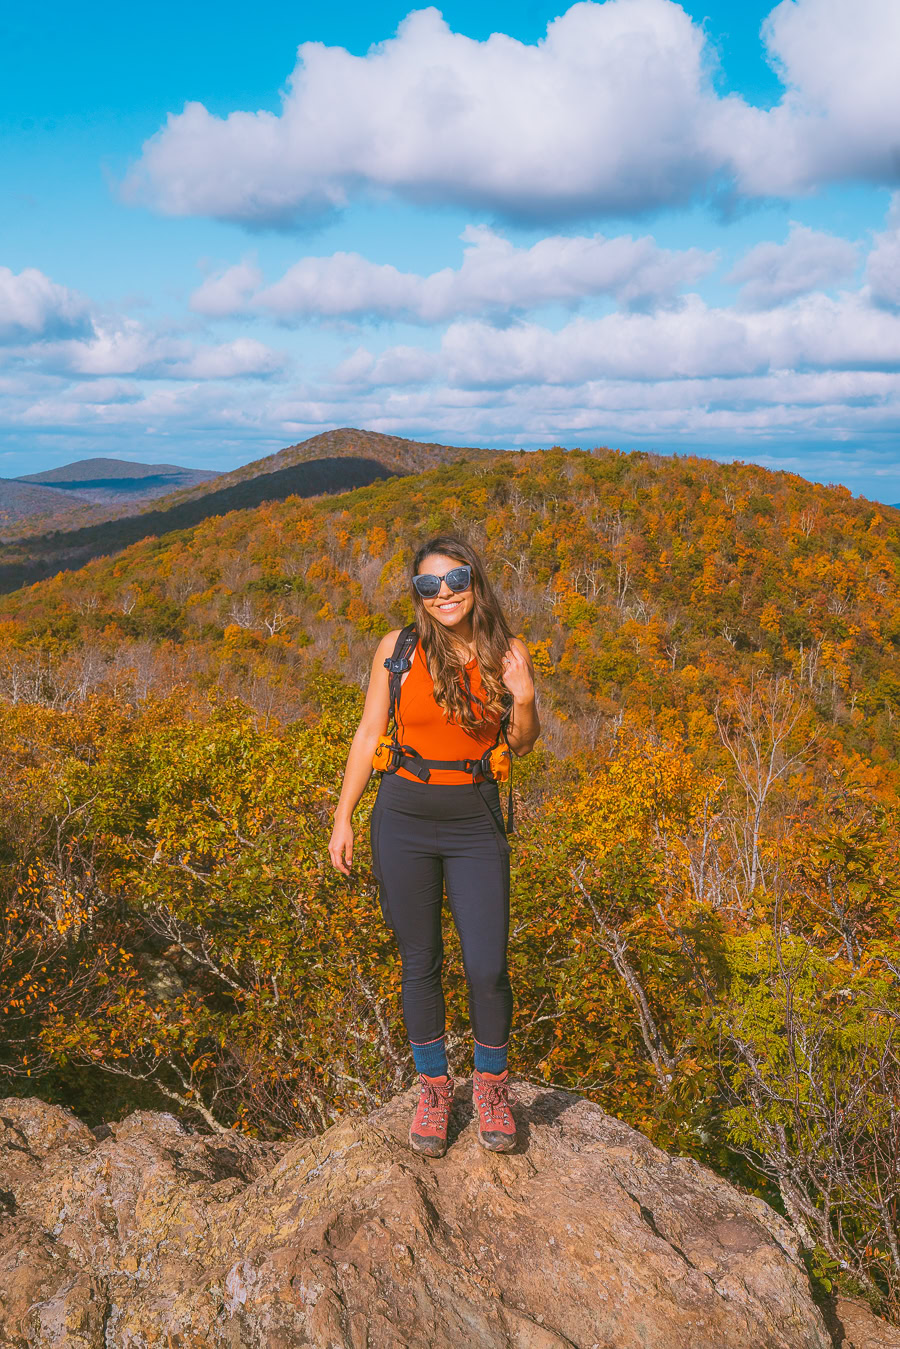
(183, 409)
(227, 292)
(852, 402)
(794, 415)
(771, 273)
(227, 360)
(594, 115)
(104, 391)
(495, 277)
(398, 365)
(883, 266)
(47, 327)
(840, 115)
(34, 308)
(612, 111)
(695, 341)
(838, 426)
(130, 349)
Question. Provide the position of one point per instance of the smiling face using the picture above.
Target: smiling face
(449, 609)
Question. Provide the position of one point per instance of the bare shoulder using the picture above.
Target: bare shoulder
(389, 640)
(384, 649)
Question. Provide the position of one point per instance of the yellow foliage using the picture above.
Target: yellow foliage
(540, 655)
(769, 618)
(647, 791)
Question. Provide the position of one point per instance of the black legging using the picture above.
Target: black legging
(423, 835)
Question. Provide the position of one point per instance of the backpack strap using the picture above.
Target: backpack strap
(397, 665)
(505, 718)
(412, 760)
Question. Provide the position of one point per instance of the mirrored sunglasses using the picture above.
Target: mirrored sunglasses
(429, 585)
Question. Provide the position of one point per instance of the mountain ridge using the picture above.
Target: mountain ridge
(64, 550)
(682, 546)
(400, 454)
(115, 482)
(333, 461)
(100, 469)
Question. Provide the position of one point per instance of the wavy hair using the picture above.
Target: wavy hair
(442, 652)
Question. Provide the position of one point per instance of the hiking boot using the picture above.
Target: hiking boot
(428, 1131)
(496, 1126)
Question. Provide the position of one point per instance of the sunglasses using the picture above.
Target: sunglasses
(460, 578)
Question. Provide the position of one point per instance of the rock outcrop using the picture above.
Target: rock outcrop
(142, 1233)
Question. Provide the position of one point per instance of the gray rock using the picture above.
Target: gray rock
(586, 1236)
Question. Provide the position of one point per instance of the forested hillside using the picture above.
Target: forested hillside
(21, 501)
(396, 453)
(706, 872)
(332, 462)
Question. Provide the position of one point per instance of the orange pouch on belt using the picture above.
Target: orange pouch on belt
(499, 759)
(383, 757)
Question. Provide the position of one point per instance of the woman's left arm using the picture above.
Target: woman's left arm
(518, 676)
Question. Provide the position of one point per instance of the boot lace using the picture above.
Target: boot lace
(496, 1100)
(436, 1099)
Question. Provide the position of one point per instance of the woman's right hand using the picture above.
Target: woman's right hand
(340, 846)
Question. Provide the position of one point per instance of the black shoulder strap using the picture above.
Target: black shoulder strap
(505, 719)
(398, 664)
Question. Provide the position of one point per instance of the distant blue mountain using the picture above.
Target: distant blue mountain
(113, 480)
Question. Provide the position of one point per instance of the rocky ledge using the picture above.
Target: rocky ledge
(142, 1233)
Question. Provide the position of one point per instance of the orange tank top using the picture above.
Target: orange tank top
(424, 725)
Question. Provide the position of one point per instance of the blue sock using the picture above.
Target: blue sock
(490, 1058)
(430, 1058)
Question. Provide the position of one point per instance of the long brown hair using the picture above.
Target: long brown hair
(442, 652)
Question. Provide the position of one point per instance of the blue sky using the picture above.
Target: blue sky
(629, 223)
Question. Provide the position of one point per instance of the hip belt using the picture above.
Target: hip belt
(492, 766)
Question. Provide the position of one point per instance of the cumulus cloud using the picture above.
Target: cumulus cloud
(772, 273)
(131, 350)
(883, 266)
(814, 332)
(33, 308)
(593, 115)
(398, 365)
(612, 111)
(227, 292)
(839, 117)
(47, 327)
(495, 278)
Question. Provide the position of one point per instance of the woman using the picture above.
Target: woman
(434, 825)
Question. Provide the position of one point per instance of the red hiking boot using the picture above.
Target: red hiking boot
(496, 1126)
(428, 1131)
